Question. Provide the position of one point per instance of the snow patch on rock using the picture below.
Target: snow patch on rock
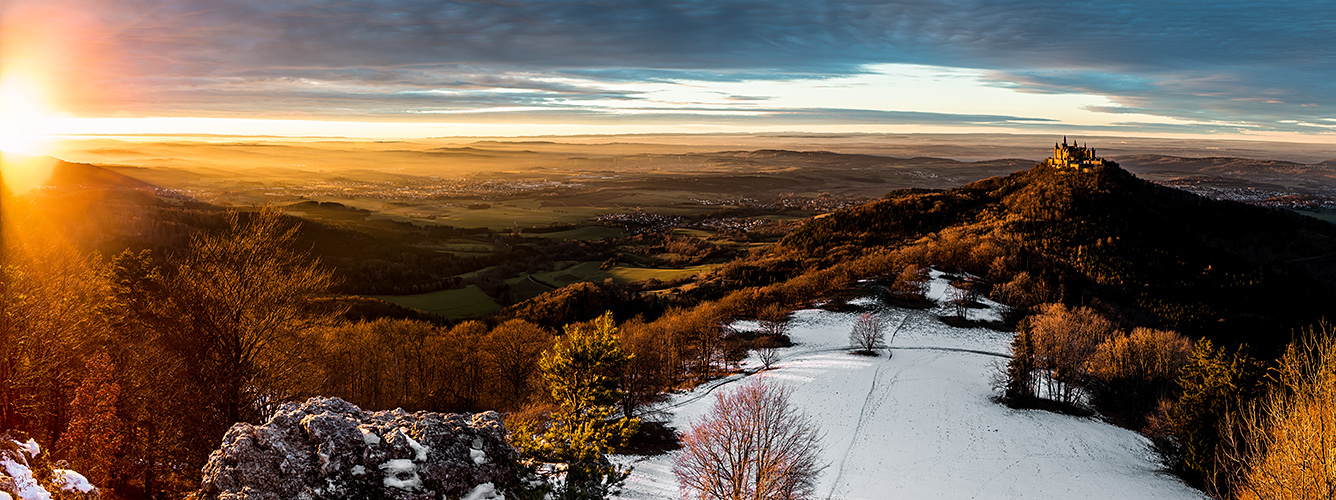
(330, 449)
(26, 474)
(401, 473)
(71, 481)
(484, 491)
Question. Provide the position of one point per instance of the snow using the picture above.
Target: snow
(31, 447)
(5, 496)
(369, 435)
(401, 473)
(921, 423)
(475, 451)
(416, 446)
(70, 481)
(25, 486)
(484, 491)
(358, 470)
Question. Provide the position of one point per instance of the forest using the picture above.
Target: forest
(1197, 322)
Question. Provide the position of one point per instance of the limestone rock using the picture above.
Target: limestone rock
(327, 448)
(27, 474)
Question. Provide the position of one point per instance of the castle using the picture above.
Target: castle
(1073, 157)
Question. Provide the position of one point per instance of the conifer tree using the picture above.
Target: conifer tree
(1020, 370)
(1215, 384)
(582, 373)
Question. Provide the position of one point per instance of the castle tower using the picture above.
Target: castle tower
(1074, 157)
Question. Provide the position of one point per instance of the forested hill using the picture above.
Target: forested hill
(1151, 254)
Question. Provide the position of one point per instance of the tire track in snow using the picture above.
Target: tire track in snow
(955, 349)
(717, 383)
(869, 405)
(858, 429)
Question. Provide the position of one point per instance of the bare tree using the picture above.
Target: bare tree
(1284, 449)
(868, 334)
(774, 320)
(751, 445)
(960, 302)
(767, 355)
(512, 350)
(774, 323)
(240, 309)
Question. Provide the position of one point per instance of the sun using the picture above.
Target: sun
(25, 117)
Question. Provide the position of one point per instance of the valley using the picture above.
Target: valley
(618, 200)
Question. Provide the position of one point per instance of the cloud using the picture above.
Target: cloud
(1252, 63)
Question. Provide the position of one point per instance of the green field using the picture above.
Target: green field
(467, 246)
(699, 233)
(467, 302)
(589, 271)
(583, 233)
(1326, 215)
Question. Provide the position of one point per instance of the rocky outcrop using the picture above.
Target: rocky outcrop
(327, 448)
(27, 474)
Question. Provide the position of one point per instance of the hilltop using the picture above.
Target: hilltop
(1150, 254)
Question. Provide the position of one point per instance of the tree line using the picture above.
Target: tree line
(135, 366)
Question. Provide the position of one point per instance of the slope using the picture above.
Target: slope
(921, 423)
(1152, 254)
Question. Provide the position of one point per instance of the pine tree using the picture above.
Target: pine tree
(1214, 387)
(1020, 370)
(583, 373)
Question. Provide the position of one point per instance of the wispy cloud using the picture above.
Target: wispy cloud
(1245, 64)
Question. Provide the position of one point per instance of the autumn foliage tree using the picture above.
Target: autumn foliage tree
(240, 306)
(752, 445)
(1064, 339)
(1287, 445)
(92, 439)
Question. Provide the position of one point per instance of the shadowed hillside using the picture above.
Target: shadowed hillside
(1155, 254)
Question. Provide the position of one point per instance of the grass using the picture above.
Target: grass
(589, 271)
(525, 289)
(626, 274)
(470, 247)
(699, 233)
(467, 302)
(583, 233)
(1326, 215)
(512, 213)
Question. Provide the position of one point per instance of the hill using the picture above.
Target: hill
(1150, 254)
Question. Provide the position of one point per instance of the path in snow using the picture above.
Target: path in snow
(921, 424)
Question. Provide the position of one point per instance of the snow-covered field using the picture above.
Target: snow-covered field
(920, 424)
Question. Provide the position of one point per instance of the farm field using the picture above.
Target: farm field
(467, 302)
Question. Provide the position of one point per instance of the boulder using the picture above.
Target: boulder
(327, 448)
(27, 474)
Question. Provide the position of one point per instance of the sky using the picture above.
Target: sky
(408, 68)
